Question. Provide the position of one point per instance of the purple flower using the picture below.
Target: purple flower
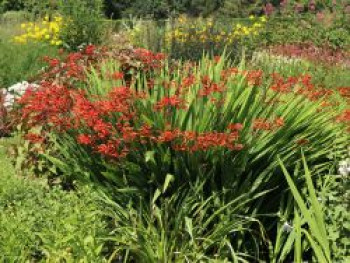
(312, 5)
(269, 9)
(283, 3)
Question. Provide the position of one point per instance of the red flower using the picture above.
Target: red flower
(168, 136)
(90, 50)
(34, 138)
(217, 59)
(118, 75)
(173, 101)
(261, 124)
(279, 122)
(84, 139)
(54, 62)
(235, 126)
(344, 92)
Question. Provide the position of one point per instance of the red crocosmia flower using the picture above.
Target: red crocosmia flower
(254, 77)
(235, 126)
(344, 92)
(279, 122)
(206, 81)
(173, 101)
(129, 134)
(160, 56)
(262, 124)
(217, 59)
(238, 147)
(34, 138)
(325, 104)
(168, 136)
(188, 81)
(54, 62)
(102, 128)
(90, 50)
(344, 117)
(118, 75)
(112, 149)
(85, 139)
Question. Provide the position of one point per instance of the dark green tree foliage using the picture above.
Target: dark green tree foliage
(11, 5)
(240, 8)
(160, 8)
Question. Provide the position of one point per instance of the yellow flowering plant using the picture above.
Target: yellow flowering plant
(47, 30)
(211, 36)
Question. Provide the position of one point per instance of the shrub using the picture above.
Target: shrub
(182, 119)
(189, 38)
(326, 31)
(84, 23)
(12, 5)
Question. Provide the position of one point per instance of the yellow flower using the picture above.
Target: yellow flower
(251, 17)
(23, 25)
(58, 19)
(263, 19)
(257, 25)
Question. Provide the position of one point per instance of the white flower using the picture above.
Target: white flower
(344, 167)
(16, 91)
(287, 227)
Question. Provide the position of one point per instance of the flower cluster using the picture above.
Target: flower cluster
(200, 31)
(300, 85)
(126, 119)
(47, 31)
(14, 92)
(310, 52)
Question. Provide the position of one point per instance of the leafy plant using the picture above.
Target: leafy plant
(309, 224)
(185, 226)
(83, 23)
(38, 223)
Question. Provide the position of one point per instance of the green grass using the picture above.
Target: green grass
(38, 223)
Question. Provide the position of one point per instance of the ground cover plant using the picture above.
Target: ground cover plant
(42, 224)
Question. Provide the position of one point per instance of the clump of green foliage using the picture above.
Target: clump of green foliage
(83, 23)
(331, 30)
(38, 223)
